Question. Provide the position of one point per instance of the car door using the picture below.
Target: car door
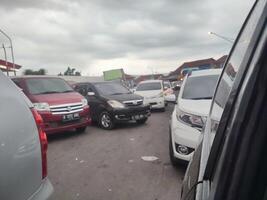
(94, 101)
(225, 95)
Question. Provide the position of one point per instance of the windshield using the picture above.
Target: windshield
(47, 86)
(111, 89)
(201, 87)
(149, 86)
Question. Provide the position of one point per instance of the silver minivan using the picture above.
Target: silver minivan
(23, 147)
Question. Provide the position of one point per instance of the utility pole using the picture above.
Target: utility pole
(222, 37)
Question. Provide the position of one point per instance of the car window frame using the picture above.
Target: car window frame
(230, 160)
(215, 152)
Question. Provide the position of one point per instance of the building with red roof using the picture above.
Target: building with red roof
(6, 66)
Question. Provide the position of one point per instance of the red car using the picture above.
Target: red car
(59, 105)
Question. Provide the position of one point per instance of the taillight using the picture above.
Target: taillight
(43, 140)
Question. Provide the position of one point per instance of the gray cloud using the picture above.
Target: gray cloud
(98, 34)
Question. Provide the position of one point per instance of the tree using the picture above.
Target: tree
(71, 72)
(35, 72)
(77, 74)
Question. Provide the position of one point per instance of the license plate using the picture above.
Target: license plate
(136, 117)
(70, 117)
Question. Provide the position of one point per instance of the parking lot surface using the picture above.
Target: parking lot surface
(100, 164)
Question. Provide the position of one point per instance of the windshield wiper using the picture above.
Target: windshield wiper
(49, 92)
(117, 93)
(200, 98)
(67, 91)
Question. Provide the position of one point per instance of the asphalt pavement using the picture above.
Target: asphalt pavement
(108, 165)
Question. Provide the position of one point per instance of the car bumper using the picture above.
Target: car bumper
(44, 192)
(54, 123)
(130, 113)
(183, 136)
(155, 103)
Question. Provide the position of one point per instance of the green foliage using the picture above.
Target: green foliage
(35, 72)
(71, 72)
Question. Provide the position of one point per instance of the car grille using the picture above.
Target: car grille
(133, 102)
(66, 108)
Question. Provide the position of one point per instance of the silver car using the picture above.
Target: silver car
(23, 147)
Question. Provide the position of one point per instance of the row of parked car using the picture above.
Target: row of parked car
(38, 105)
(65, 107)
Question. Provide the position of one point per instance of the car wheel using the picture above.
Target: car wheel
(81, 129)
(141, 121)
(174, 161)
(105, 121)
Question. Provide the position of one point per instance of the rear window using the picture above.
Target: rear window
(148, 86)
(47, 86)
(202, 87)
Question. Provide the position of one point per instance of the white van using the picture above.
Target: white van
(153, 93)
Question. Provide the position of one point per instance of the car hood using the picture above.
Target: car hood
(57, 98)
(148, 93)
(123, 97)
(196, 107)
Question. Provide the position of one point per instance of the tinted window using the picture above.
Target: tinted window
(149, 86)
(17, 82)
(111, 89)
(47, 86)
(82, 89)
(201, 87)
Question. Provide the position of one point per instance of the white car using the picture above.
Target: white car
(152, 91)
(190, 113)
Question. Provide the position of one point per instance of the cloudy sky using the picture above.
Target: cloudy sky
(140, 36)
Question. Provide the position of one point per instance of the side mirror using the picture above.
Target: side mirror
(91, 94)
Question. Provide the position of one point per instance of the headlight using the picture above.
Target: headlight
(41, 106)
(84, 102)
(115, 104)
(189, 119)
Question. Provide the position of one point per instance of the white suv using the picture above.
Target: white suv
(190, 113)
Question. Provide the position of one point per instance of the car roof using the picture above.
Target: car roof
(205, 72)
(34, 76)
(151, 81)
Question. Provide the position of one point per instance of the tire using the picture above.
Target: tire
(162, 109)
(174, 161)
(81, 129)
(105, 121)
(141, 121)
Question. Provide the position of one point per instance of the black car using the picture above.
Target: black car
(230, 162)
(111, 103)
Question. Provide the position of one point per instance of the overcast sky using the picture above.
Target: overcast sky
(140, 36)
